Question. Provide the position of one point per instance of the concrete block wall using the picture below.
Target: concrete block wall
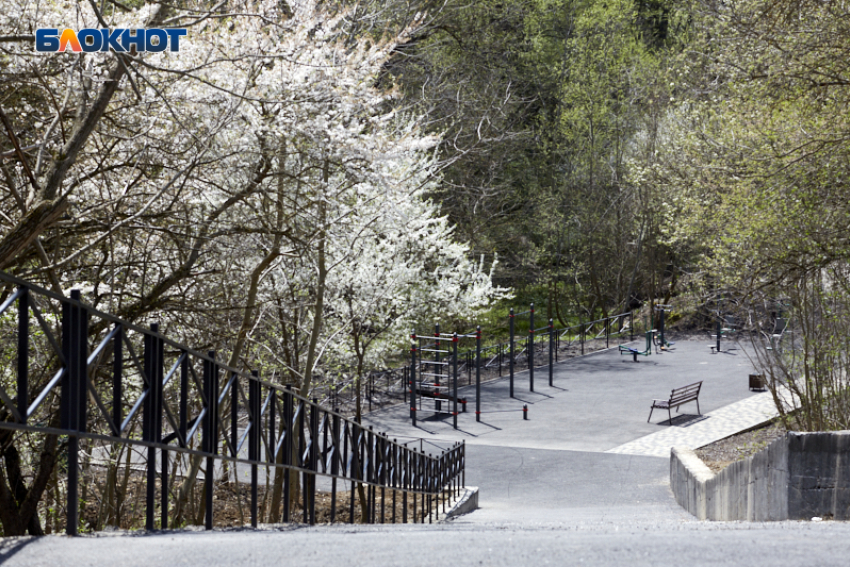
(819, 475)
(752, 489)
(799, 476)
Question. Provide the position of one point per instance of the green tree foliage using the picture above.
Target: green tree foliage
(550, 100)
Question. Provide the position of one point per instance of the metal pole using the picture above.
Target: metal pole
(582, 339)
(511, 350)
(73, 398)
(662, 329)
(437, 368)
(551, 351)
(254, 440)
(454, 361)
(412, 381)
(478, 373)
(531, 350)
(23, 352)
(210, 434)
(718, 332)
(149, 419)
(287, 449)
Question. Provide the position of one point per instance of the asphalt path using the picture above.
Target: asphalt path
(549, 494)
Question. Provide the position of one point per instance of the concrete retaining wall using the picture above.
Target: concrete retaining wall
(799, 476)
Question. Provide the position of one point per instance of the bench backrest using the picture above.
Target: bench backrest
(689, 392)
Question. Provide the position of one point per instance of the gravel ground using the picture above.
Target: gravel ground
(722, 453)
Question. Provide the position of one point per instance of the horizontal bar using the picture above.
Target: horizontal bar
(433, 338)
(432, 350)
(433, 363)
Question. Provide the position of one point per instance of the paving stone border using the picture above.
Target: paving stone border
(797, 477)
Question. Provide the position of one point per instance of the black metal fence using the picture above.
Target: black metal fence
(87, 377)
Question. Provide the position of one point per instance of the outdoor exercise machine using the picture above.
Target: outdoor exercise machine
(662, 343)
(635, 352)
(720, 330)
(428, 384)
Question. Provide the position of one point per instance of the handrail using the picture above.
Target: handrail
(313, 440)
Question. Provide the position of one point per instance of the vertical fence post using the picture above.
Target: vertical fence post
(531, 349)
(254, 395)
(159, 376)
(344, 464)
(454, 363)
(631, 325)
(299, 458)
(607, 330)
(335, 431)
(478, 373)
(23, 352)
(149, 420)
(117, 377)
(210, 435)
(437, 369)
(412, 381)
(234, 414)
(551, 351)
(582, 338)
(511, 350)
(405, 482)
(73, 397)
(314, 457)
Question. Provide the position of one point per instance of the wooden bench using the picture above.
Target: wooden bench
(678, 397)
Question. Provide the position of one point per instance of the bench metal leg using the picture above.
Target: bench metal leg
(650, 414)
(697, 401)
(634, 355)
(670, 415)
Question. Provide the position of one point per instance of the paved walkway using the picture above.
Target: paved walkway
(583, 482)
(703, 430)
(600, 403)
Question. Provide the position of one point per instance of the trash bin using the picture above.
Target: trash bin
(757, 382)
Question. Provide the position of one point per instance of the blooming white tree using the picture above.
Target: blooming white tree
(256, 191)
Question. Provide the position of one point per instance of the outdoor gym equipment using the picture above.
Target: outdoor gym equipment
(635, 352)
(720, 330)
(547, 330)
(427, 381)
(662, 342)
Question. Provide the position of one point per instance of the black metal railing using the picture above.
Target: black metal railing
(90, 376)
